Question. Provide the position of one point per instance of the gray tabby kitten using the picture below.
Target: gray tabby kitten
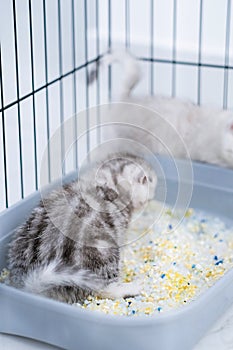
(70, 245)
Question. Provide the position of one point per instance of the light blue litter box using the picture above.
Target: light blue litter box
(73, 328)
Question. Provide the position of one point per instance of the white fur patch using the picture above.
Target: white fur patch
(122, 290)
(43, 278)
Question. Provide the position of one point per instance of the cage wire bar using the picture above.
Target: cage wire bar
(152, 46)
(86, 71)
(199, 54)
(227, 47)
(74, 88)
(46, 89)
(97, 80)
(174, 48)
(33, 96)
(3, 133)
(152, 60)
(18, 104)
(127, 24)
(109, 48)
(61, 99)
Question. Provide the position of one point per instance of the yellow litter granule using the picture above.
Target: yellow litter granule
(4, 274)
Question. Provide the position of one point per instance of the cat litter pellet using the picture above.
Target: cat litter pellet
(173, 265)
(4, 274)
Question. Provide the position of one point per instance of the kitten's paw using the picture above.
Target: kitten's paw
(122, 290)
(132, 289)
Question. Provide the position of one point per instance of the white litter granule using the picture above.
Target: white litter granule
(175, 265)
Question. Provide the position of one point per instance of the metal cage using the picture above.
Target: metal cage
(47, 48)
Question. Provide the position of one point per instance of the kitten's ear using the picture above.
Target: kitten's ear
(106, 193)
(142, 179)
(111, 195)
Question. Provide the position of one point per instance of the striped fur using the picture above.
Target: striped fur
(70, 245)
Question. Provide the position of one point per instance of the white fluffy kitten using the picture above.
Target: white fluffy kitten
(207, 133)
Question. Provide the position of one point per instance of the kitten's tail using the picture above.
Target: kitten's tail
(131, 70)
(42, 279)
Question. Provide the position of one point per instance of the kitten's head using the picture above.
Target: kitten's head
(125, 179)
(227, 143)
(138, 181)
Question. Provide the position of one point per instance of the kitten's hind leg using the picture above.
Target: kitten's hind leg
(121, 290)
